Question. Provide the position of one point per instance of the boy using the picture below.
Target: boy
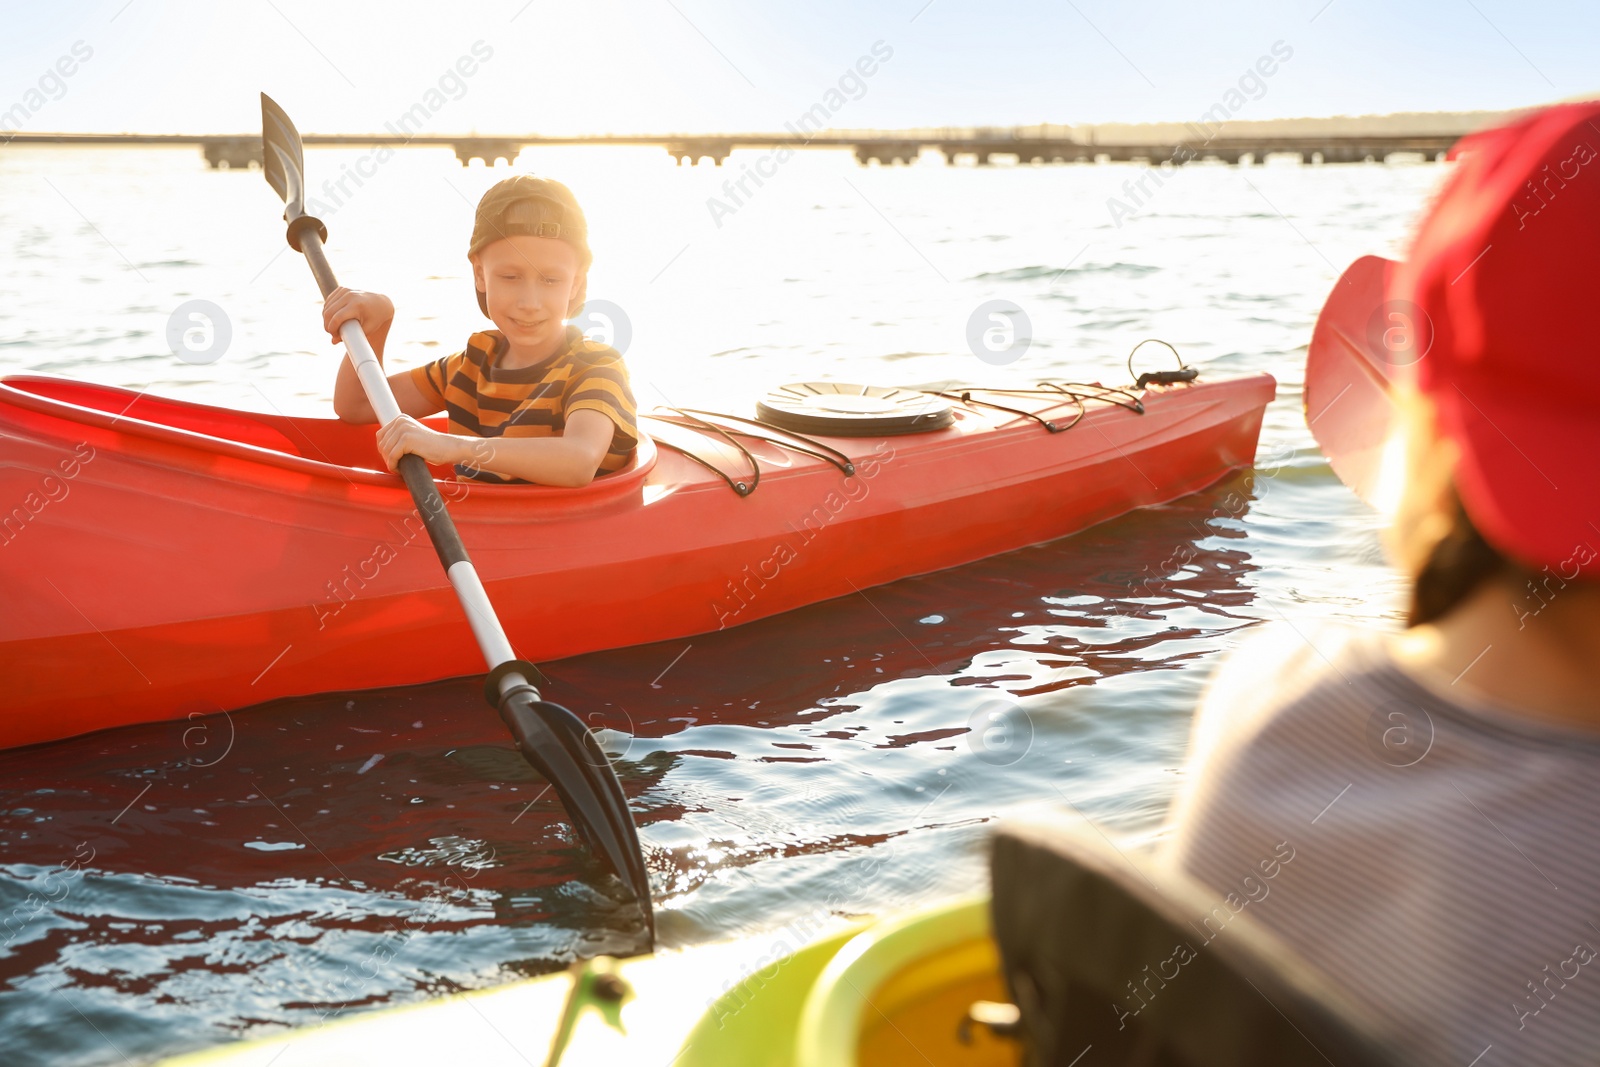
(531, 401)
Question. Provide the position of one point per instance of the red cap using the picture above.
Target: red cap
(1506, 266)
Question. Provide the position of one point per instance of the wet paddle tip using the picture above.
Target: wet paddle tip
(557, 744)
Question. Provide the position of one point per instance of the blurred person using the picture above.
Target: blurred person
(1419, 813)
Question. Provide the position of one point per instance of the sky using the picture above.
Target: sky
(539, 66)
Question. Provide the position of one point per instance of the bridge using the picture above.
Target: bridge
(979, 146)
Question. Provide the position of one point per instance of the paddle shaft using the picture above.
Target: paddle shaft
(441, 528)
(553, 740)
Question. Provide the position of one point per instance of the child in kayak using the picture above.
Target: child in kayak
(1438, 789)
(530, 401)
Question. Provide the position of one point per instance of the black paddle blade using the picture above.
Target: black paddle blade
(557, 745)
(283, 157)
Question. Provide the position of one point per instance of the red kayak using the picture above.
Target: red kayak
(161, 558)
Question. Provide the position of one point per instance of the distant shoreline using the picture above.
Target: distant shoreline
(1397, 124)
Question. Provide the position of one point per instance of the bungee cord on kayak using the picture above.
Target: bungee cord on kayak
(662, 423)
(684, 446)
(1050, 425)
(1161, 377)
(765, 431)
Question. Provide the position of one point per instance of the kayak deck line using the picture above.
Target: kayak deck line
(202, 541)
(766, 431)
(688, 436)
(707, 450)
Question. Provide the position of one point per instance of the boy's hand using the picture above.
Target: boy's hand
(406, 434)
(373, 311)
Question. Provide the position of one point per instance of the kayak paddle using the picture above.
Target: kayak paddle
(551, 738)
(1358, 348)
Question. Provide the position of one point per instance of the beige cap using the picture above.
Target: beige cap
(525, 206)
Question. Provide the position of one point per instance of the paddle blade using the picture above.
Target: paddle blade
(282, 157)
(1362, 343)
(557, 745)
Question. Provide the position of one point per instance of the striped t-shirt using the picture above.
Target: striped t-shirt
(483, 399)
(1446, 851)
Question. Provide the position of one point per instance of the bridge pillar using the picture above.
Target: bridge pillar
(695, 151)
(236, 152)
(489, 150)
(887, 154)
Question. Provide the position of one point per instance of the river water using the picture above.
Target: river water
(188, 883)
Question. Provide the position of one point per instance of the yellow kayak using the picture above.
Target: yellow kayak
(877, 994)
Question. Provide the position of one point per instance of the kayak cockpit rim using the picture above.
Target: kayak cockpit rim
(15, 392)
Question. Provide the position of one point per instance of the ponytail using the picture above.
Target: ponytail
(1458, 565)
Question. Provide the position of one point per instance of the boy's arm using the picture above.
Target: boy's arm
(350, 401)
(569, 460)
(375, 313)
